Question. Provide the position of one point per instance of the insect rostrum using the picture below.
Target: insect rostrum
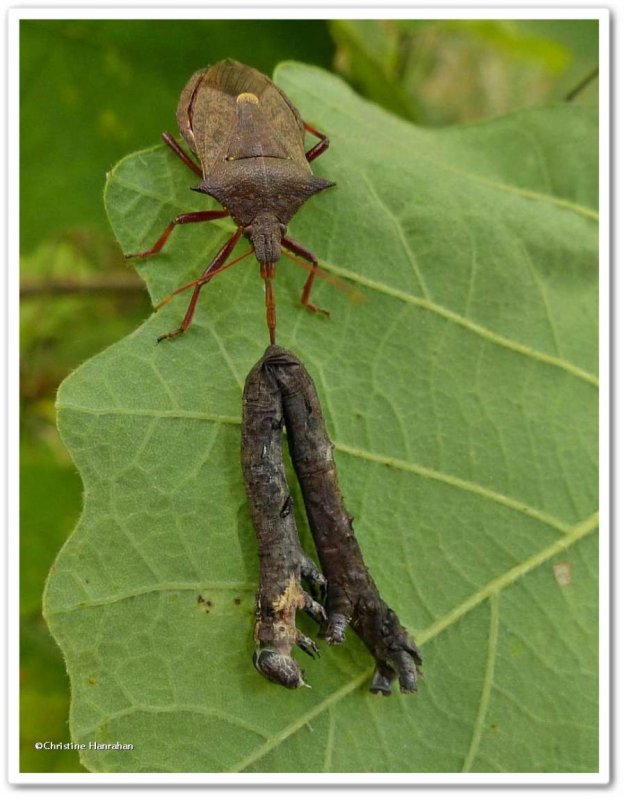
(351, 594)
(249, 140)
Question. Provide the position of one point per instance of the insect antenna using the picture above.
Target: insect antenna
(346, 288)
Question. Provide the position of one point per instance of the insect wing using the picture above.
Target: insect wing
(207, 112)
(234, 79)
(206, 117)
(286, 120)
(184, 112)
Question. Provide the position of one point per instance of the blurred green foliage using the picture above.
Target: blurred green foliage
(50, 497)
(58, 331)
(92, 91)
(447, 71)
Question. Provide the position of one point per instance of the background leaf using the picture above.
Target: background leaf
(462, 399)
(449, 70)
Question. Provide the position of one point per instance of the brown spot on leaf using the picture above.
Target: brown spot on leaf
(204, 603)
(562, 573)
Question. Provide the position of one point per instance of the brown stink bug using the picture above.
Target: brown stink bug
(249, 140)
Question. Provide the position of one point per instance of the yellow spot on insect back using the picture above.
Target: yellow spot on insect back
(247, 97)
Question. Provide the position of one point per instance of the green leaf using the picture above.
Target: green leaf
(368, 51)
(462, 398)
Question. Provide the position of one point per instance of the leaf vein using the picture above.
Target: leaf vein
(485, 696)
(330, 742)
(400, 233)
(575, 533)
(458, 319)
(542, 293)
(459, 483)
(147, 708)
(168, 586)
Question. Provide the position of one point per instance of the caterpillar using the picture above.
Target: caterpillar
(351, 595)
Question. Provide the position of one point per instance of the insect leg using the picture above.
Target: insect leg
(382, 680)
(314, 609)
(309, 255)
(181, 219)
(307, 644)
(206, 276)
(315, 579)
(320, 147)
(173, 144)
(334, 631)
(408, 670)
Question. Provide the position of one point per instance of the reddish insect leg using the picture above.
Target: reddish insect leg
(320, 147)
(299, 250)
(171, 142)
(268, 271)
(206, 276)
(181, 219)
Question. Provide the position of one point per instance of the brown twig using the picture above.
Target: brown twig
(60, 286)
(582, 84)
